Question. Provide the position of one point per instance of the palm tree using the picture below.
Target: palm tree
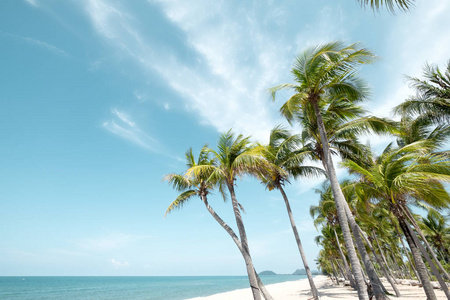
(325, 263)
(325, 214)
(413, 130)
(285, 154)
(403, 175)
(432, 101)
(389, 4)
(437, 232)
(200, 185)
(343, 121)
(367, 220)
(326, 211)
(329, 239)
(324, 73)
(235, 158)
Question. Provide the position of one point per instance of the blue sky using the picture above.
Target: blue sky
(99, 99)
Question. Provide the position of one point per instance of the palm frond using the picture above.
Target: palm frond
(178, 182)
(180, 201)
(390, 5)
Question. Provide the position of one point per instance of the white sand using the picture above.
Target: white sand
(299, 289)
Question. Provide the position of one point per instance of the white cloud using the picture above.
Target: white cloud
(46, 46)
(123, 117)
(228, 86)
(140, 96)
(38, 43)
(236, 57)
(117, 263)
(123, 126)
(110, 242)
(32, 2)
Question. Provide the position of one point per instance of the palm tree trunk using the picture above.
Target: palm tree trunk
(377, 286)
(347, 274)
(420, 266)
(299, 244)
(341, 272)
(383, 267)
(407, 254)
(340, 200)
(430, 262)
(246, 251)
(382, 255)
(413, 222)
(396, 265)
(236, 240)
(334, 272)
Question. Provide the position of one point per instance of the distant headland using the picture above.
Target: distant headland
(297, 272)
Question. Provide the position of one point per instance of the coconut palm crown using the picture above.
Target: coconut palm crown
(191, 186)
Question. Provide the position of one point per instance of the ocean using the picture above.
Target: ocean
(127, 287)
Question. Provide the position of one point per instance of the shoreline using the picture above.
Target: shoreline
(300, 290)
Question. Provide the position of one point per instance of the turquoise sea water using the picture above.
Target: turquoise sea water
(151, 287)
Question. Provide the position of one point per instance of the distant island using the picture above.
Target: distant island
(297, 272)
(303, 272)
(267, 273)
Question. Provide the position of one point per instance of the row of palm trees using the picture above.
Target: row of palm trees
(326, 103)
(383, 187)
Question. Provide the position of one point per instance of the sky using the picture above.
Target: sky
(100, 99)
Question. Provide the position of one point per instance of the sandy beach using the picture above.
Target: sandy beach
(327, 290)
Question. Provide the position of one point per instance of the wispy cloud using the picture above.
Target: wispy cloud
(32, 2)
(38, 43)
(46, 46)
(236, 56)
(109, 242)
(119, 264)
(122, 125)
(227, 85)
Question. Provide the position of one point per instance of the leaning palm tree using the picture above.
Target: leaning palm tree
(416, 129)
(328, 241)
(285, 154)
(326, 212)
(235, 158)
(324, 73)
(344, 121)
(405, 175)
(437, 232)
(432, 100)
(369, 220)
(200, 185)
(325, 215)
